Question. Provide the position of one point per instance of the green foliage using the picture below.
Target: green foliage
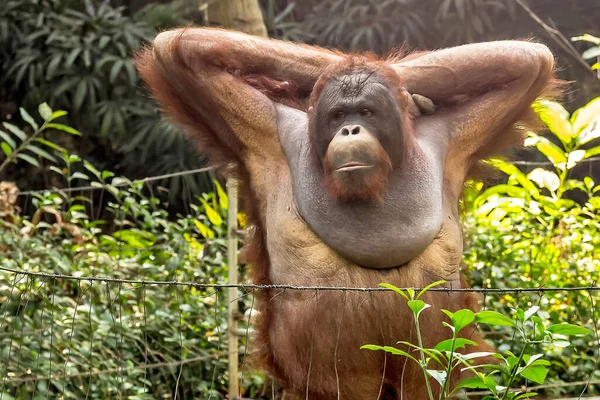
(542, 228)
(63, 338)
(592, 53)
(80, 57)
(444, 360)
(17, 143)
(381, 26)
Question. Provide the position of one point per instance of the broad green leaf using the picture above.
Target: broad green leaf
(568, 329)
(135, 237)
(212, 215)
(554, 153)
(6, 148)
(11, 142)
(50, 144)
(493, 318)
(589, 182)
(205, 231)
(395, 289)
(459, 343)
(29, 159)
(536, 373)
(223, 200)
(556, 119)
(64, 128)
(45, 112)
(389, 349)
(41, 152)
(470, 383)
(596, 66)
(462, 318)
(585, 115)
(15, 131)
(27, 118)
(57, 170)
(417, 306)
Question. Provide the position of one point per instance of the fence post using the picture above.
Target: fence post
(232, 292)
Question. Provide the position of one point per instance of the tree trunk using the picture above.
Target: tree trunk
(240, 15)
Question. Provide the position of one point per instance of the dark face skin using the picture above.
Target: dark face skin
(358, 134)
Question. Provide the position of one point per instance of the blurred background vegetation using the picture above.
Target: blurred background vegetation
(537, 224)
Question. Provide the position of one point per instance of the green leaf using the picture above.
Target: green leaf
(51, 145)
(395, 289)
(29, 159)
(590, 53)
(471, 383)
(462, 318)
(389, 349)
(205, 231)
(223, 200)
(585, 115)
(45, 112)
(535, 373)
(91, 168)
(57, 114)
(15, 131)
(526, 395)
(591, 132)
(594, 151)
(212, 215)
(587, 38)
(41, 152)
(554, 153)
(6, 148)
(426, 288)
(64, 128)
(459, 343)
(417, 306)
(533, 310)
(439, 376)
(556, 118)
(493, 318)
(79, 175)
(11, 142)
(568, 329)
(27, 118)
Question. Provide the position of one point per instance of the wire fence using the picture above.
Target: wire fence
(120, 334)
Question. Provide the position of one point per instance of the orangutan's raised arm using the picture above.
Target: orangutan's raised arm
(499, 79)
(197, 76)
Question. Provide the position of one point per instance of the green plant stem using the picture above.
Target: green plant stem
(449, 367)
(23, 145)
(423, 363)
(514, 373)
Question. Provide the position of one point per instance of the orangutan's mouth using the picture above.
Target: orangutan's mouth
(351, 166)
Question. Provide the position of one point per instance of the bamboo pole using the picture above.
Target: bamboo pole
(232, 292)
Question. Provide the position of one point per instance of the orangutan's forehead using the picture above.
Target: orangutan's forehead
(352, 85)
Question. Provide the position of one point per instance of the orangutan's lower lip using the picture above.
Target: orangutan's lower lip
(353, 166)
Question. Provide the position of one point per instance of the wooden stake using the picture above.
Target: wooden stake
(232, 292)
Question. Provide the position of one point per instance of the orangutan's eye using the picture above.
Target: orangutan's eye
(366, 112)
(339, 115)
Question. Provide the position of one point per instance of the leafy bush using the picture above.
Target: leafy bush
(79, 57)
(92, 339)
(531, 232)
